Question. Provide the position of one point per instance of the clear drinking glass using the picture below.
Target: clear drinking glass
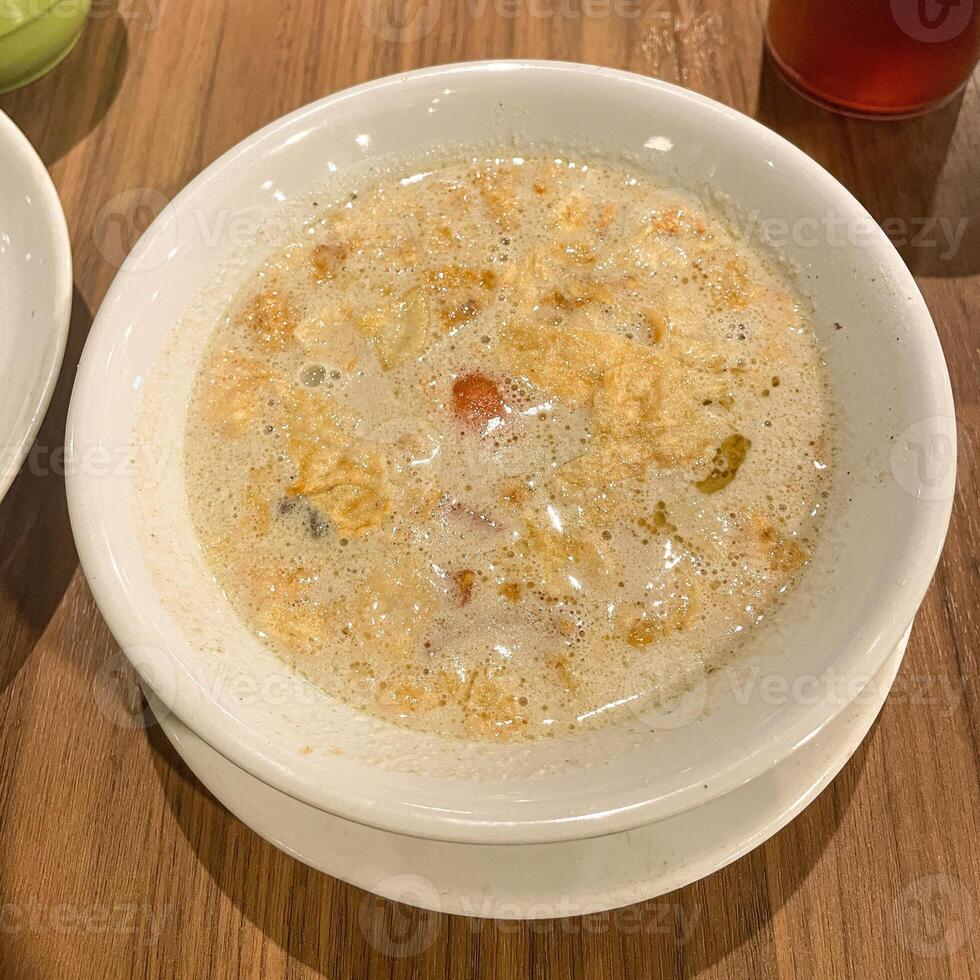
(875, 57)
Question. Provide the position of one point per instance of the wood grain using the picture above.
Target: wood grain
(115, 862)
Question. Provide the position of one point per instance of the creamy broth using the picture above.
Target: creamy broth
(510, 447)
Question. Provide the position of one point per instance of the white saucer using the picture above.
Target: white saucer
(532, 881)
(35, 296)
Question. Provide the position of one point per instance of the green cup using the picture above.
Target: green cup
(35, 35)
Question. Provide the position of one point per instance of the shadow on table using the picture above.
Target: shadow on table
(342, 931)
(37, 551)
(60, 109)
(919, 178)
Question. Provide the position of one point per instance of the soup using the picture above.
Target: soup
(510, 447)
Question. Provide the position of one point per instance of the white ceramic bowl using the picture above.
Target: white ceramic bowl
(35, 295)
(867, 577)
(542, 881)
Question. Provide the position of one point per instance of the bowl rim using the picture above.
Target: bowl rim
(881, 634)
(16, 15)
(11, 136)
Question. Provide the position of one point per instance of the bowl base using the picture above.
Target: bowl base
(533, 881)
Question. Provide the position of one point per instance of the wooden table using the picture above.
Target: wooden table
(115, 862)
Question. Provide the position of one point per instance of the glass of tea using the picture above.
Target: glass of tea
(875, 57)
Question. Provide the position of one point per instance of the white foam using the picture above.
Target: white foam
(557, 660)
